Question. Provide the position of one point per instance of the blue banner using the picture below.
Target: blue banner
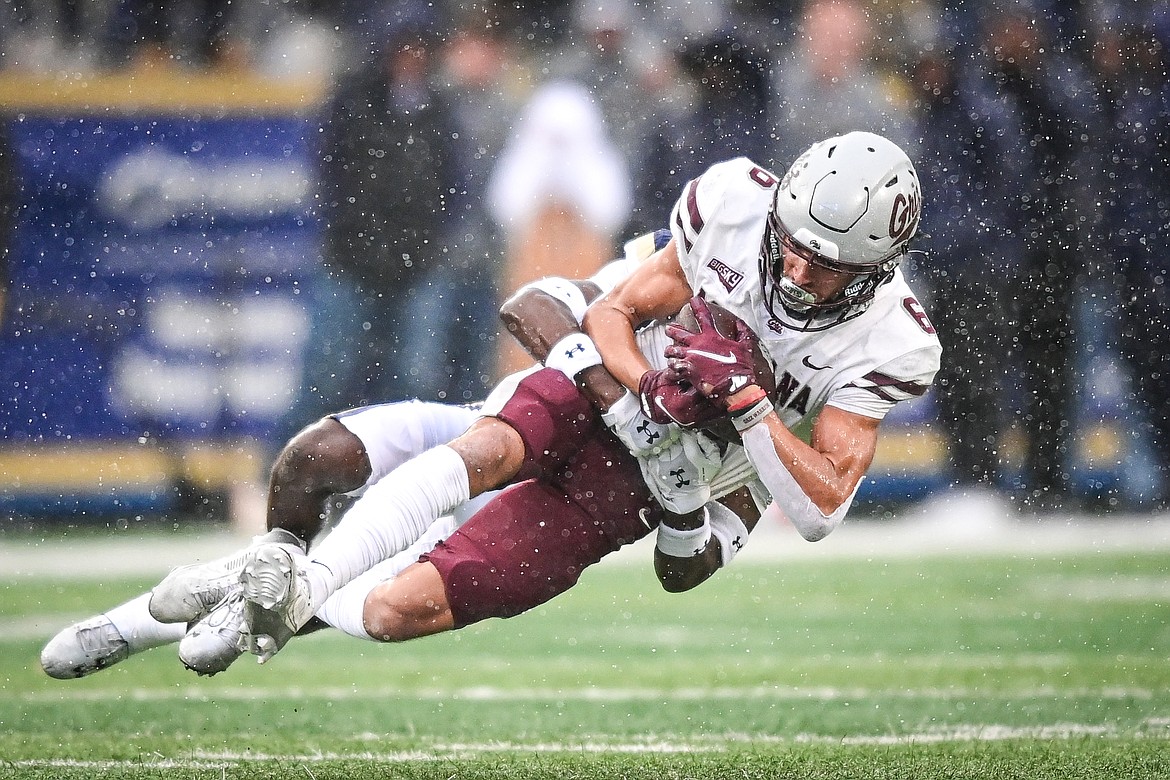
(157, 277)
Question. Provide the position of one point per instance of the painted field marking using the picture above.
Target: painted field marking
(589, 694)
(594, 744)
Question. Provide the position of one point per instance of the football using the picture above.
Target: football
(725, 323)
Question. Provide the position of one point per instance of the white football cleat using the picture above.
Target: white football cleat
(216, 641)
(84, 648)
(276, 599)
(189, 592)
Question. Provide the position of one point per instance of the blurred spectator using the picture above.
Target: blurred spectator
(46, 34)
(165, 32)
(388, 177)
(560, 192)
(289, 42)
(966, 267)
(541, 23)
(1032, 98)
(609, 57)
(721, 117)
(485, 86)
(1131, 65)
(827, 84)
(1065, 20)
(630, 75)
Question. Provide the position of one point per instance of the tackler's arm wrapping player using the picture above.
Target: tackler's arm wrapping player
(545, 311)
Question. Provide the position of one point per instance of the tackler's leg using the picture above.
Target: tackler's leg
(107, 639)
(346, 453)
(323, 459)
(284, 589)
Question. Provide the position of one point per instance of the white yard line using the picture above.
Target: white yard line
(584, 694)
(721, 743)
(939, 528)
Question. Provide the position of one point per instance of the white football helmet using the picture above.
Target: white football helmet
(850, 204)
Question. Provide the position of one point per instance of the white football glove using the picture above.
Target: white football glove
(680, 476)
(642, 436)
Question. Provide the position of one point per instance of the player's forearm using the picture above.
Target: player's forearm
(686, 553)
(813, 471)
(827, 483)
(678, 575)
(538, 320)
(613, 332)
(599, 386)
(803, 483)
(658, 288)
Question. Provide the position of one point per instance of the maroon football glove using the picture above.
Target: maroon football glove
(717, 365)
(666, 400)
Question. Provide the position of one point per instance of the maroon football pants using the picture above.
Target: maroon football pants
(578, 497)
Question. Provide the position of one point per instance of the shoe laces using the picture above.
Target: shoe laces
(98, 636)
(228, 614)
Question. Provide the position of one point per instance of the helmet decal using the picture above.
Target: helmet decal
(904, 216)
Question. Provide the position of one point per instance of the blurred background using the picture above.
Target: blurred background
(220, 220)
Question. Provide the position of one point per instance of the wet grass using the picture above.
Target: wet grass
(982, 667)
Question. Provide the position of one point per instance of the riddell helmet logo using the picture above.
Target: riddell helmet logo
(904, 216)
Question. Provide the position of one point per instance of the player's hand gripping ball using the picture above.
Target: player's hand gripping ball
(667, 397)
(716, 352)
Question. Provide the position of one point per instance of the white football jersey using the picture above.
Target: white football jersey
(865, 365)
(890, 353)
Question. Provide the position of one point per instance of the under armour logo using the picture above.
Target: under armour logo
(573, 350)
(678, 476)
(737, 543)
(650, 434)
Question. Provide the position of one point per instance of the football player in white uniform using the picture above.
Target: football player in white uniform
(809, 263)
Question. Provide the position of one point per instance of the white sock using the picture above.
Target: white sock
(388, 518)
(345, 609)
(139, 629)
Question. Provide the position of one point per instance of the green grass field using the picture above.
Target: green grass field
(982, 666)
